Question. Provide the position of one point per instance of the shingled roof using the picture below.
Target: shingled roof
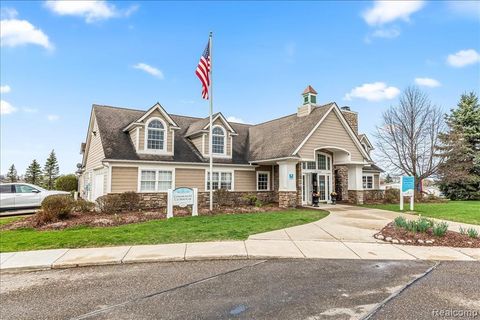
(274, 139)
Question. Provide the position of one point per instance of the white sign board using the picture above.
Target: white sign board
(407, 188)
(182, 197)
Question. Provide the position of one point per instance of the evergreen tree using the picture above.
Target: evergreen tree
(50, 171)
(388, 178)
(460, 173)
(34, 173)
(12, 174)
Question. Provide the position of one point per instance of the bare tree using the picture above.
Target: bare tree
(406, 142)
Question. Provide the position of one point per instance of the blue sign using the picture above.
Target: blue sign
(408, 185)
(183, 197)
(290, 176)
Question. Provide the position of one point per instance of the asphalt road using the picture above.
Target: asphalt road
(272, 289)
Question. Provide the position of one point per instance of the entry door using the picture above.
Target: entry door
(322, 187)
(98, 186)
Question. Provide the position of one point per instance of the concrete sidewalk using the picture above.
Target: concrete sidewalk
(347, 233)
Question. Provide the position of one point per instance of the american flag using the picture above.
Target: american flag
(203, 71)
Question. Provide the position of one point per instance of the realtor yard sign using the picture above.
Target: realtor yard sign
(407, 189)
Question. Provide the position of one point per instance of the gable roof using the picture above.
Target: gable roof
(363, 137)
(117, 144)
(202, 125)
(156, 106)
(280, 137)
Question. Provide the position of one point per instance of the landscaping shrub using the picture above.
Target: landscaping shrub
(463, 231)
(440, 229)
(424, 224)
(68, 183)
(412, 226)
(57, 207)
(392, 196)
(472, 233)
(258, 203)
(130, 201)
(222, 197)
(110, 203)
(251, 199)
(83, 206)
(400, 222)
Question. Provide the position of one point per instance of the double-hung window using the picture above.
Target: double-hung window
(263, 180)
(221, 180)
(155, 180)
(367, 182)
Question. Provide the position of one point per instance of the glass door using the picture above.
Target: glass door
(322, 187)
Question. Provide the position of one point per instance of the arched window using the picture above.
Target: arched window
(218, 140)
(155, 135)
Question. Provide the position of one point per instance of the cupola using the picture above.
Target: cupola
(309, 101)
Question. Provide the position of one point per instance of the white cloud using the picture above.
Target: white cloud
(388, 11)
(14, 32)
(427, 82)
(235, 119)
(463, 58)
(5, 89)
(149, 69)
(6, 108)
(8, 13)
(376, 91)
(53, 117)
(92, 11)
(389, 33)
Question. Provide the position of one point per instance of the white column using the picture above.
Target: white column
(355, 177)
(288, 175)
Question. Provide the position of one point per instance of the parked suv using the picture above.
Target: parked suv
(23, 196)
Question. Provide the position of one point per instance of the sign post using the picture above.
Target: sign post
(182, 197)
(407, 188)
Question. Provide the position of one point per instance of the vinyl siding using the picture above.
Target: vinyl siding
(228, 144)
(191, 178)
(124, 179)
(330, 133)
(95, 153)
(197, 142)
(133, 137)
(245, 180)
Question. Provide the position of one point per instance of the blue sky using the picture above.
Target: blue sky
(57, 59)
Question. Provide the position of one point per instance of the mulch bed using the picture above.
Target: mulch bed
(451, 238)
(97, 219)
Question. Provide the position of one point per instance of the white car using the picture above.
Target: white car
(15, 196)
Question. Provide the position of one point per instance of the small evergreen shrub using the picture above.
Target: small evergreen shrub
(251, 199)
(440, 229)
(110, 203)
(57, 207)
(258, 203)
(472, 233)
(130, 201)
(83, 206)
(68, 183)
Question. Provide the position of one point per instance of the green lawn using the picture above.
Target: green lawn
(188, 229)
(460, 211)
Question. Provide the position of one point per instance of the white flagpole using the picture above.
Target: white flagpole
(210, 97)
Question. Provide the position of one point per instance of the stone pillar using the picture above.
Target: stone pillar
(287, 193)
(355, 183)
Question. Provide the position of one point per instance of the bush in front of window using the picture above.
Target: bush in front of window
(222, 197)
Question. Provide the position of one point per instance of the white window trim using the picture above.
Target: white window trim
(225, 137)
(268, 180)
(165, 137)
(156, 169)
(220, 171)
(373, 181)
(329, 158)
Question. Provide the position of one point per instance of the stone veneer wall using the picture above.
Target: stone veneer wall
(355, 196)
(352, 119)
(287, 199)
(343, 175)
(158, 200)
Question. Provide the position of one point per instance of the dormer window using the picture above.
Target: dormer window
(155, 135)
(218, 140)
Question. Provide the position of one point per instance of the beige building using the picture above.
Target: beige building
(316, 150)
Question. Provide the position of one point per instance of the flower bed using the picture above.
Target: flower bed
(424, 232)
